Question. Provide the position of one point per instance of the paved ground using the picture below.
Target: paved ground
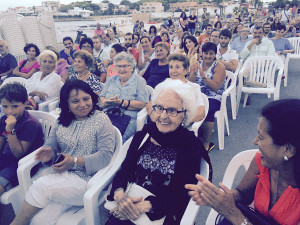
(242, 133)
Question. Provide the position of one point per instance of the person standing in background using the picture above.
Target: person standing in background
(192, 22)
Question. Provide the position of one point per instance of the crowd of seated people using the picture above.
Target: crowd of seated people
(104, 72)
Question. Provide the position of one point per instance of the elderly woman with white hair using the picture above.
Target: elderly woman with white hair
(126, 91)
(161, 158)
(45, 84)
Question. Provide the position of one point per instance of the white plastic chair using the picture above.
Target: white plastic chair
(195, 126)
(261, 69)
(192, 209)
(242, 159)
(45, 106)
(76, 215)
(221, 115)
(295, 41)
(142, 114)
(10, 80)
(14, 195)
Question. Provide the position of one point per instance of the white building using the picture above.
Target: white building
(53, 5)
(152, 7)
(78, 11)
(21, 10)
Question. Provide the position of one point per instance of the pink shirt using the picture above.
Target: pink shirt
(28, 69)
(98, 32)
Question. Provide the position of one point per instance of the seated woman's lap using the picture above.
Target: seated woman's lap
(64, 188)
(214, 106)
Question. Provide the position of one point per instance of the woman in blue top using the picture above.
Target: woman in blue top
(158, 69)
(210, 75)
(126, 90)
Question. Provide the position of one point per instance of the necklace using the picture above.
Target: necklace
(85, 76)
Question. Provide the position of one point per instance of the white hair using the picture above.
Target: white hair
(125, 56)
(47, 53)
(187, 94)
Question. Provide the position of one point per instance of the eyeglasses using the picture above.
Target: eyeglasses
(170, 111)
(122, 66)
(86, 46)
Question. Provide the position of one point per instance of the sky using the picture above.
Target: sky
(5, 4)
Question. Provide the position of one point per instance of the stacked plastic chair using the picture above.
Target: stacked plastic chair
(12, 33)
(47, 28)
(31, 31)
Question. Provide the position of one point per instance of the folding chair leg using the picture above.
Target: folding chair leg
(226, 122)
(238, 99)
(220, 124)
(233, 103)
(245, 99)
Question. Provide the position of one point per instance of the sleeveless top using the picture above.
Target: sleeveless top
(210, 74)
(286, 210)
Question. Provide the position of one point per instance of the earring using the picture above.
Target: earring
(286, 158)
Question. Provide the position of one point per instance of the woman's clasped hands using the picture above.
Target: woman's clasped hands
(129, 208)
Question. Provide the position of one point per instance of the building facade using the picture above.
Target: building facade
(152, 7)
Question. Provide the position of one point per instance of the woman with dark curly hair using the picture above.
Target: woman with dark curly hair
(29, 66)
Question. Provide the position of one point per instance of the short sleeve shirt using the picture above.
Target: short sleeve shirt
(7, 62)
(229, 55)
(27, 129)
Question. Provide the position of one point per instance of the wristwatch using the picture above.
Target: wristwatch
(12, 132)
(75, 162)
(245, 221)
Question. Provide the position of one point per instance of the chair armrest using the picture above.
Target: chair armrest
(27, 157)
(140, 120)
(91, 197)
(190, 213)
(43, 105)
(23, 173)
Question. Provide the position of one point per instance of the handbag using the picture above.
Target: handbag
(134, 190)
(118, 119)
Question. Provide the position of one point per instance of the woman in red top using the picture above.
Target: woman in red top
(273, 178)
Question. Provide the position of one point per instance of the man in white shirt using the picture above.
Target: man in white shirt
(226, 55)
(259, 46)
(285, 15)
(102, 54)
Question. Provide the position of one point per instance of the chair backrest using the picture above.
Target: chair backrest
(117, 149)
(262, 69)
(295, 41)
(20, 80)
(242, 159)
(47, 121)
(195, 126)
(150, 91)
